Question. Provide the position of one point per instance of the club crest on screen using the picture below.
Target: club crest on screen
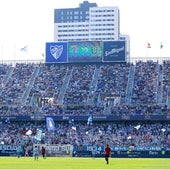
(56, 51)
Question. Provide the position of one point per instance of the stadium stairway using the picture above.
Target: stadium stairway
(30, 85)
(159, 90)
(90, 100)
(64, 86)
(7, 76)
(129, 88)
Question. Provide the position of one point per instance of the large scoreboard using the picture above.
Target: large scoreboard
(85, 51)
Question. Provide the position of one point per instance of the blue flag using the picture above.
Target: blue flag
(50, 124)
(38, 135)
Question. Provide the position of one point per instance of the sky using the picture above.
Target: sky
(30, 24)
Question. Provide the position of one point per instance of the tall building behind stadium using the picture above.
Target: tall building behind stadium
(88, 22)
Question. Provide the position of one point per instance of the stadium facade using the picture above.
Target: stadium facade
(89, 22)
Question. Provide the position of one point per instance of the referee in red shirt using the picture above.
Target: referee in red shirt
(107, 153)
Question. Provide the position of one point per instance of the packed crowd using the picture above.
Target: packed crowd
(79, 85)
(166, 79)
(17, 80)
(79, 133)
(83, 89)
(145, 83)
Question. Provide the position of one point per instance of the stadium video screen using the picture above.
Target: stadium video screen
(86, 51)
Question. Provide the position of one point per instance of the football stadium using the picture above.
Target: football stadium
(87, 106)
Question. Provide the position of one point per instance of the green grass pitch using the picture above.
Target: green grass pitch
(61, 163)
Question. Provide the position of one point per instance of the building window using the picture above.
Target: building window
(76, 13)
(87, 17)
(76, 17)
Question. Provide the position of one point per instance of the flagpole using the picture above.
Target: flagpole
(161, 46)
(147, 49)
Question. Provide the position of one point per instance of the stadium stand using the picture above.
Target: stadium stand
(30, 92)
